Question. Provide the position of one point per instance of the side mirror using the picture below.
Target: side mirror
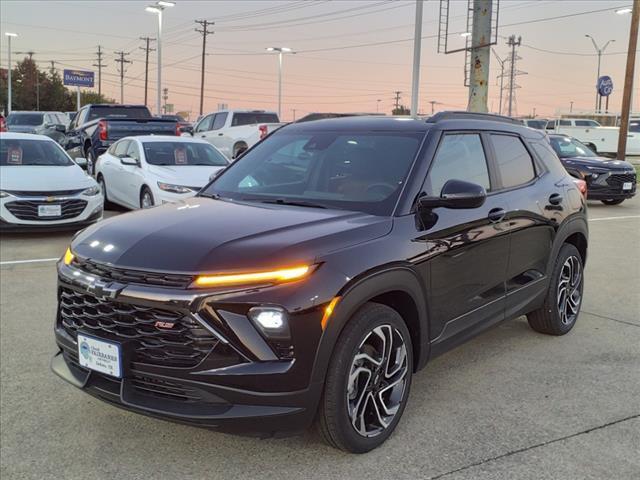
(129, 161)
(456, 194)
(81, 162)
(60, 128)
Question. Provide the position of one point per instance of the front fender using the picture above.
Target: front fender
(361, 290)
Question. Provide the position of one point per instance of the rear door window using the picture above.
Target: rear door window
(515, 165)
(460, 156)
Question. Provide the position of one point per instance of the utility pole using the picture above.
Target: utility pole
(53, 67)
(146, 49)
(501, 62)
(99, 64)
(417, 43)
(628, 80)
(165, 97)
(122, 61)
(571, 106)
(204, 32)
(513, 43)
(480, 55)
(397, 100)
(294, 114)
(433, 103)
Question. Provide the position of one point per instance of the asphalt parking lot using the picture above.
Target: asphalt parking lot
(510, 404)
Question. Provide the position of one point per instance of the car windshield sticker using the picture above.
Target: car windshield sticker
(180, 155)
(14, 155)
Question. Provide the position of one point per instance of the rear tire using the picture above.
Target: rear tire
(368, 380)
(592, 147)
(91, 162)
(562, 304)
(617, 201)
(239, 149)
(146, 198)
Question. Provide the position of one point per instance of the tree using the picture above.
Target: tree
(30, 84)
(401, 110)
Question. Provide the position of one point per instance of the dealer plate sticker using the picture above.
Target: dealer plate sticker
(627, 185)
(98, 355)
(49, 210)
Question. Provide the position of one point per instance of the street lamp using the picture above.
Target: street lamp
(158, 9)
(600, 52)
(9, 37)
(280, 51)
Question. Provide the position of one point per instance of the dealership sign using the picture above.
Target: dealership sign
(78, 78)
(605, 85)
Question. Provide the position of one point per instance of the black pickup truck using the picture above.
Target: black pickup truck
(97, 126)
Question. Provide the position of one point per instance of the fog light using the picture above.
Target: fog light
(269, 318)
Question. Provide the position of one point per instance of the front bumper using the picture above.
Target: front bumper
(244, 384)
(20, 212)
(609, 186)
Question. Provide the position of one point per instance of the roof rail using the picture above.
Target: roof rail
(462, 115)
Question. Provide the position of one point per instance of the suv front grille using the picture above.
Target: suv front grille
(617, 179)
(132, 276)
(28, 209)
(185, 344)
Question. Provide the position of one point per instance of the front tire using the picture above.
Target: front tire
(617, 201)
(368, 380)
(562, 304)
(103, 187)
(146, 198)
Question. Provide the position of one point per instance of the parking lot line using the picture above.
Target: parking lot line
(34, 260)
(622, 217)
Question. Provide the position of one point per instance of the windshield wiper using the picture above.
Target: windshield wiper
(297, 203)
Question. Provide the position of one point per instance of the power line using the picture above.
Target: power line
(204, 32)
(122, 61)
(146, 49)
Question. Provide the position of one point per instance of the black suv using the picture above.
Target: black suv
(320, 271)
(610, 181)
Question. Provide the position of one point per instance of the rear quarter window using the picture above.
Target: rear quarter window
(514, 163)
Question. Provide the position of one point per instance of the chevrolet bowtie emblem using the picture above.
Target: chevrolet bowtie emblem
(51, 199)
(105, 290)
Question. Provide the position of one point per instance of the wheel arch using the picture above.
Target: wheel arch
(397, 287)
(574, 231)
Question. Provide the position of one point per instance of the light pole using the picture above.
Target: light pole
(9, 37)
(158, 8)
(378, 105)
(600, 52)
(281, 51)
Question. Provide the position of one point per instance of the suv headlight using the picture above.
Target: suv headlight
(91, 191)
(168, 187)
(4, 194)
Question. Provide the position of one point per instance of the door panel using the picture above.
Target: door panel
(465, 251)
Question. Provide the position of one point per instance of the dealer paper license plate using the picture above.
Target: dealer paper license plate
(49, 210)
(99, 355)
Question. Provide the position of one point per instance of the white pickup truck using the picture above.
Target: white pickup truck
(233, 131)
(602, 140)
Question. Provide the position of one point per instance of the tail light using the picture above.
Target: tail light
(103, 133)
(178, 130)
(582, 186)
(263, 131)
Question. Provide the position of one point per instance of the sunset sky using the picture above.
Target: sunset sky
(349, 54)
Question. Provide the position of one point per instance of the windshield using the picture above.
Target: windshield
(17, 153)
(566, 147)
(119, 112)
(362, 171)
(253, 118)
(30, 119)
(183, 153)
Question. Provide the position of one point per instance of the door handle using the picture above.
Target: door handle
(220, 134)
(555, 199)
(496, 215)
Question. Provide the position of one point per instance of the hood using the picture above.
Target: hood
(205, 235)
(599, 162)
(187, 175)
(22, 128)
(43, 178)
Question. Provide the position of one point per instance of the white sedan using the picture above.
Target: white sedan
(140, 172)
(41, 187)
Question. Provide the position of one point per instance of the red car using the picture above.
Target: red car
(3, 123)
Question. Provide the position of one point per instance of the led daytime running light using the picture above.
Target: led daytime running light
(282, 275)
